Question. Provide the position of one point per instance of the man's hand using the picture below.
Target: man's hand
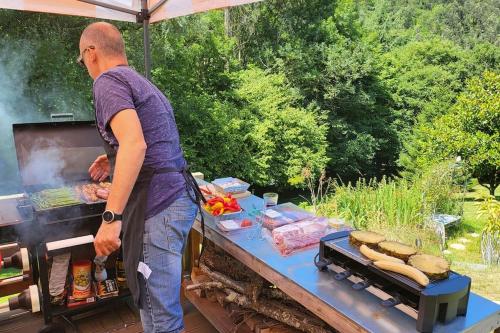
(100, 169)
(107, 239)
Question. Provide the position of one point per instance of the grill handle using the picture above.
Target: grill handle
(62, 116)
(70, 242)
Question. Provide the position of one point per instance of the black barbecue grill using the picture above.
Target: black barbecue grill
(439, 301)
(51, 156)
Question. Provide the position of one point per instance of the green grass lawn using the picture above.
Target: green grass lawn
(468, 261)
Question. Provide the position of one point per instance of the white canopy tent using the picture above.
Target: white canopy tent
(140, 11)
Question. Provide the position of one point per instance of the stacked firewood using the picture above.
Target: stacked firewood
(233, 285)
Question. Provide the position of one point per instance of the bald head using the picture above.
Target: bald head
(105, 37)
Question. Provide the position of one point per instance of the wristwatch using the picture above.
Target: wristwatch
(109, 216)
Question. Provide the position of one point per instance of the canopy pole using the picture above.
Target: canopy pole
(143, 17)
(147, 50)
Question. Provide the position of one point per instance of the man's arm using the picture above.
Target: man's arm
(130, 157)
(131, 151)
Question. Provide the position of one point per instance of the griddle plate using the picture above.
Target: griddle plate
(343, 246)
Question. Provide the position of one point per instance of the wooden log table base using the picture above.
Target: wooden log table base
(232, 283)
(223, 319)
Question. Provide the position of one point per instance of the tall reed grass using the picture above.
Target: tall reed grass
(400, 208)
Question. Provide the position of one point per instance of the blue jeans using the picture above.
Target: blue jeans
(165, 237)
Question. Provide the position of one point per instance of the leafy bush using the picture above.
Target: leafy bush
(256, 132)
(443, 186)
(214, 137)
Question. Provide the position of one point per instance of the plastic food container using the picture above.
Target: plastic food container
(337, 224)
(296, 236)
(283, 214)
(234, 225)
(225, 216)
(82, 286)
(230, 185)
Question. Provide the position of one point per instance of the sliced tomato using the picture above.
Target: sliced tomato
(245, 223)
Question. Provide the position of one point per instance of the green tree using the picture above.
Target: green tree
(423, 79)
(471, 130)
(319, 47)
(372, 73)
(466, 22)
(284, 137)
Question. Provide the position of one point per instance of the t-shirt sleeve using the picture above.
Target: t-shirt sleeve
(111, 96)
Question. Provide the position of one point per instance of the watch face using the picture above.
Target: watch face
(108, 216)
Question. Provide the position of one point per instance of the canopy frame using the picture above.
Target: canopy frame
(110, 6)
(142, 17)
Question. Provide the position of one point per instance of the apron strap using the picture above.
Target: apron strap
(192, 184)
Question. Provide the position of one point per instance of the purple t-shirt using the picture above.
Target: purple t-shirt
(123, 88)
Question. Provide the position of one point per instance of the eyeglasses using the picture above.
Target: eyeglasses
(80, 60)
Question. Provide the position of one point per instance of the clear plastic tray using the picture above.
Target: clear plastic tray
(284, 214)
(233, 225)
(230, 185)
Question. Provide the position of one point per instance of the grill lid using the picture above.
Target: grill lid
(55, 153)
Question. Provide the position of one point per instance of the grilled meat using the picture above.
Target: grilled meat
(93, 192)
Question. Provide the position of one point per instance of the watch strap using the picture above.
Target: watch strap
(116, 217)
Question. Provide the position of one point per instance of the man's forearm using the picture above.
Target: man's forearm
(129, 160)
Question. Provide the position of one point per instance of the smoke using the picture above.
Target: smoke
(45, 164)
(20, 103)
(14, 107)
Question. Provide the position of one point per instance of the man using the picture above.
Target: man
(149, 186)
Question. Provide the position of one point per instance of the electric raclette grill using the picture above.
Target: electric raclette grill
(441, 300)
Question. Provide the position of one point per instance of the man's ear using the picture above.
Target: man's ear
(92, 55)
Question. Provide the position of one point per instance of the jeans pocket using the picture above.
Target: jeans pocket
(168, 230)
(156, 241)
(175, 243)
(177, 226)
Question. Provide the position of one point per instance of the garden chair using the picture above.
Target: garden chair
(441, 221)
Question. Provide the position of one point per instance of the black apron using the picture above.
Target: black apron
(134, 216)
